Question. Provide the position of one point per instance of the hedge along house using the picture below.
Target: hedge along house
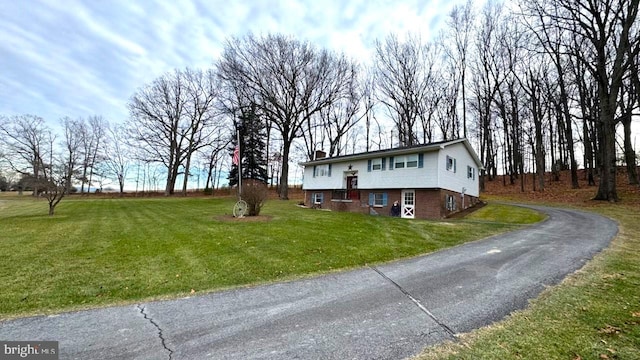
(429, 181)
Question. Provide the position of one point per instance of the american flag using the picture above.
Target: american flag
(236, 155)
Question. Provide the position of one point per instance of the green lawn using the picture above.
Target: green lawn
(593, 314)
(97, 252)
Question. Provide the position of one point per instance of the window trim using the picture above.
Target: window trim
(384, 199)
(450, 164)
(376, 162)
(409, 159)
(322, 170)
(403, 161)
(450, 203)
(471, 172)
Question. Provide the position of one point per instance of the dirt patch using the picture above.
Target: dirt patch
(259, 218)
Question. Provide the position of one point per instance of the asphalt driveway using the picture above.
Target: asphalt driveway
(386, 312)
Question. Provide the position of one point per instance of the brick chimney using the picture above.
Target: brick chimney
(320, 155)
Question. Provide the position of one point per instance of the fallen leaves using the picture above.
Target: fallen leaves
(609, 330)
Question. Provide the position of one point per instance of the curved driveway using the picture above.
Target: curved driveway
(386, 312)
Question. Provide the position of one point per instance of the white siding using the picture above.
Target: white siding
(424, 177)
(412, 178)
(455, 181)
(433, 173)
(335, 181)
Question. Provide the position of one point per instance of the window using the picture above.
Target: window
(412, 161)
(378, 199)
(471, 173)
(318, 198)
(451, 164)
(376, 164)
(322, 170)
(407, 161)
(451, 202)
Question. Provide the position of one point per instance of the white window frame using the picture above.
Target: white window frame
(318, 198)
(451, 202)
(378, 199)
(406, 161)
(321, 170)
(411, 161)
(376, 164)
(471, 172)
(451, 164)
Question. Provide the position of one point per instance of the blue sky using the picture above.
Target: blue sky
(81, 58)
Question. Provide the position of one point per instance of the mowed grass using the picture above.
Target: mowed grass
(97, 252)
(593, 314)
(507, 214)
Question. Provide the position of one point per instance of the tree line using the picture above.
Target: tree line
(538, 86)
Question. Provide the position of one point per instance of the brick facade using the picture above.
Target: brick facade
(429, 203)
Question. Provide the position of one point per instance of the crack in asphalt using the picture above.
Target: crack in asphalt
(417, 303)
(160, 335)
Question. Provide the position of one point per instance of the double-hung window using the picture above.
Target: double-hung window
(376, 164)
(471, 173)
(451, 203)
(411, 161)
(451, 164)
(322, 170)
(378, 199)
(407, 161)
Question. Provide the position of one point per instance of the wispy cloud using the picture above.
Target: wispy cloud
(79, 58)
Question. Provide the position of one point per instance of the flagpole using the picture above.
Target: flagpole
(239, 166)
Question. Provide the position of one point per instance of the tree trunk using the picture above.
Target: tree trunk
(607, 187)
(185, 183)
(284, 176)
(539, 153)
(629, 153)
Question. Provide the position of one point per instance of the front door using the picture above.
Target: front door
(408, 204)
(352, 188)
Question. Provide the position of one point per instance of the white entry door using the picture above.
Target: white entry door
(408, 204)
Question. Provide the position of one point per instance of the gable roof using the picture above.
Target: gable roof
(398, 151)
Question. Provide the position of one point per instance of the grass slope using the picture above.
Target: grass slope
(97, 252)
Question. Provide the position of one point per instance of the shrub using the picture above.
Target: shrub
(255, 194)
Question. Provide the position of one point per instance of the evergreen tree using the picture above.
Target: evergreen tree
(252, 147)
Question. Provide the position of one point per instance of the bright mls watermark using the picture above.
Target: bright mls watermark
(40, 350)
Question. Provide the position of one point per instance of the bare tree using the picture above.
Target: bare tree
(159, 125)
(171, 119)
(28, 142)
(93, 132)
(291, 80)
(342, 115)
(117, 161)
(552, 38)
(460, 22)
(610, 42)
(487, 78)
(204, 122)
(404, 74)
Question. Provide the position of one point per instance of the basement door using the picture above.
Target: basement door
(408, 204)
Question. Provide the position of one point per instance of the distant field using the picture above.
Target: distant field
(97, 252)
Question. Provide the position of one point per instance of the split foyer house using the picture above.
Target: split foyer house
(429, 181)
